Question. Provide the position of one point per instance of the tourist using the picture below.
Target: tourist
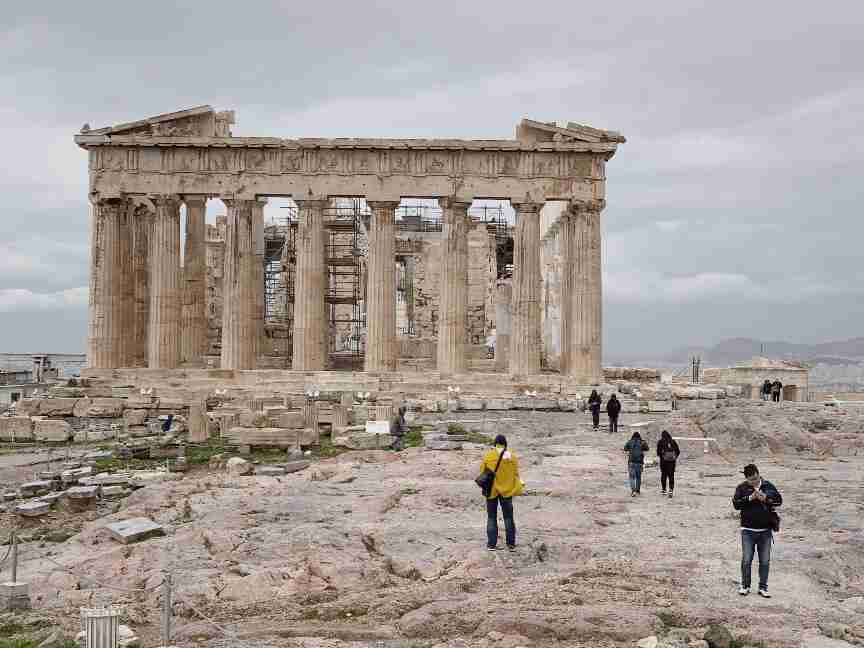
(776, 391)
(398, 429)
(635, 448)
(490, 344)
(507, 485)
(166, 424)
(667, 453)
(756, 498)
(594, 404)
(766, 390)
(613, 409)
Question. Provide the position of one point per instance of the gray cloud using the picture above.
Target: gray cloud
(732, 208)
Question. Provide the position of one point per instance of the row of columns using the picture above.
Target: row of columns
(144, 307)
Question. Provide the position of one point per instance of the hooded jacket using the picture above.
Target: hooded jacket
(613, 406)
(668, 444)
(755, 514)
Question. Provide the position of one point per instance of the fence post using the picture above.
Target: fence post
(166, 611)
(14, 595)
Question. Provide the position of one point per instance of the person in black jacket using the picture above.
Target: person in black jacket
(594, 404)
(776, 391)
(613, 409)
(766, 390)
(756, 498)
(667, 453)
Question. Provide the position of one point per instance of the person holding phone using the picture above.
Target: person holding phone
(756, 498)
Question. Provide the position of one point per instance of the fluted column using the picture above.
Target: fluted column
(525, 340)
(587, 306)
(310, 325)
(503, 302)
(126, 287)
(165, 291)
(105, 336)
(194, 341)
(142, 224)
(257, 277)
(381, 288)
(238, 314)
(567, 249)
(453, 300)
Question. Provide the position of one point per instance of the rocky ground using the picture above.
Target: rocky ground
(388, 549)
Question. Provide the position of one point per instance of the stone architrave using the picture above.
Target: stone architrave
(453, 304)
(526, 340)
(163, 348)
(142, 224)
(503, 301)
(194, 342)
(107, 270)
(587, 305)
(381, 288)
(238, 318)
(310, 326)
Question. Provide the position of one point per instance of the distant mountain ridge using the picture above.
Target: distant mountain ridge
(732, 351)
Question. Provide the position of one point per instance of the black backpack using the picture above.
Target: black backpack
(637, 453)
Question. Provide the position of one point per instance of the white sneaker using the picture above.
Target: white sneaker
(764, 593)
(743, 591)
(663, 492)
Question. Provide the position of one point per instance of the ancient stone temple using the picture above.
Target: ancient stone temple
(212, 304)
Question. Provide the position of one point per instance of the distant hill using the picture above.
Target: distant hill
(735, 350)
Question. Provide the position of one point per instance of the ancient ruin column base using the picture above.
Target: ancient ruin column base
(14, 596)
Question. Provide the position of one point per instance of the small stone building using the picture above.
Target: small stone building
(753, 373)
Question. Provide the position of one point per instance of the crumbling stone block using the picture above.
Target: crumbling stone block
(57, 406)
(39, 487)
(33, 509)
(134, 417)
(99, 407)
(135, 530)
(16, 427)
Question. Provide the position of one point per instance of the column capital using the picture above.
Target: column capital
(194, 200)
(456, 203)
(383, 204)
(166, 201)
(312, 203)
(527, 207)
(577, 206)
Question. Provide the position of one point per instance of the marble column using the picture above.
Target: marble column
(126, 288)
(142, 224)
(381, 288)
(257, 277)
(239, 333)
(194, 340)
(453, 298)
(587, 305)
(105, 335)
(310, 323)
(525, 341)
(163, 348)
(567, 250)
(503, 301)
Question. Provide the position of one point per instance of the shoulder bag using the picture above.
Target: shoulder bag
(487, 478)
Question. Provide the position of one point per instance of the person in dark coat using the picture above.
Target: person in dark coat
(399, 428)
(667, 453)
(766, 390)
(776, 391)
(756, 498)
(635, 448)
(594, 404)
(613, 409)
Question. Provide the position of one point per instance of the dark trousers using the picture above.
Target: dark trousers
(751, 542)
(775, 397)
(613, 423)
(595, 416)
(492, 521)
(667, 474)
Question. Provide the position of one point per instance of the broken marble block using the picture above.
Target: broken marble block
(84, 493)
(135, 530)
(270, 471)
(33, 509)
(36, 488)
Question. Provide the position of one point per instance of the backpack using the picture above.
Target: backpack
(636, 452)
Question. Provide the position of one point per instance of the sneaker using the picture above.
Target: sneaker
(491, 548)
(764, 593)
(633, 494)
(663, 491)
(670, 494)
(743, 591)
(511, 548)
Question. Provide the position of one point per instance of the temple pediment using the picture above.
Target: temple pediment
(531, 132)
(201, 121)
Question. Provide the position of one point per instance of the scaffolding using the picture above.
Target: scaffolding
(344, 231)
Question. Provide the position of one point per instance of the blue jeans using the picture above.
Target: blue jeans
(752, 541)
(635, 477)
(492, 521)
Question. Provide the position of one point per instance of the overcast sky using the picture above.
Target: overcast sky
(734, 209)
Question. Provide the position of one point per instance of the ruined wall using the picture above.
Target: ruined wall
(755, 376)
(482, 271)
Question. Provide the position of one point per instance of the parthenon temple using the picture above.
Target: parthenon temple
(380, 255)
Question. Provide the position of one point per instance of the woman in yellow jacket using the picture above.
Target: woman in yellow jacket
(507, 484)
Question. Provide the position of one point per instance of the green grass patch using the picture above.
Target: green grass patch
(455, 428)
(200, 454)
(477, 437)
(18, 643)
(326, 449)
(414, 437)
